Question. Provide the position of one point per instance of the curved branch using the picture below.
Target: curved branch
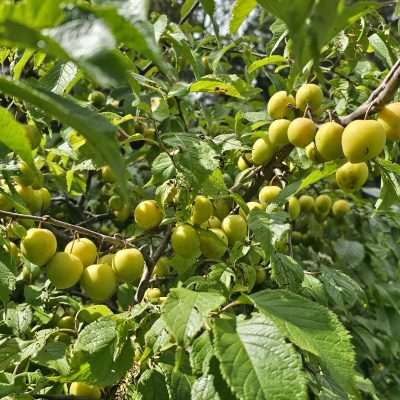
(382, 95)
(46, 219)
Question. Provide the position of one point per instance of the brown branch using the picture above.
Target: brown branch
(382, 95)
(46, 219)
(149, 267)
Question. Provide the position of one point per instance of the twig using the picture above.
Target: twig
(382, 95)
(59, 397)
(149, 267)
(46, 219)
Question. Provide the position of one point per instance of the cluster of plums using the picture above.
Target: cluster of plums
(358, 142)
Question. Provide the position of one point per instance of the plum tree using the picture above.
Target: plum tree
(235, 228)
(148, 214)
(202, 209)
(310, 95)
(268, 194)
(301, 132)
(99, 282)
(279, 105)
(351, 177)
(185, 240)
(278, 133)
(128, 265)
(81, 389)
(389, 118)
(64, 270)
(84, 249)
(329, 140)
(262, 151)
(39, 245)
(363, 140)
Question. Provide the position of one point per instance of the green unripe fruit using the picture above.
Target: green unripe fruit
(64, 270)
(363, 140)
(107, 174)
(97, 98)
(213, 243)
(278, 133)
(244, 162)
(351, 177)
(294, 208)
(161, 268)
(33, 134)
(306, 203)
(32, 198)
(311, 95)
(12, 249)
(84, 249)
(39, 246)
(297, 237)
(389, 118)
(301, 132)
(115, 203)
(251, 206)
(312, 153)
(148, 215)
(340, 208)
(202, 210)
(85, 390)
(128, 265)
(46, 198)
(27, 174)
(99, 282)
(261, 275)
(93, 312)
(152, 295)
(329, 141)
(213, 222)
(279, 105)
(185, 241)
(5, 203)
(268, 194)
(323, 204)
(235, 228)
(66, 322)
(262, 151)
(222, 208)
(123, 214)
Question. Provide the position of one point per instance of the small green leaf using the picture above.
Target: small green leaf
(185, 312)
(217, 87)
(256, 361)
(241, 9)
(274, 59)
(286, 272)
(208, 6)
(203, 389)
(18, 317)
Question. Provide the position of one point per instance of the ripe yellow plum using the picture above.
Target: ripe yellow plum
(363, 140)
(84, 249)
(85, 390)
(235, 228)
(262, 151)
(301, 132)
(279, 105)
(148, 214)
(202, 210)
(268, 194)
(64, 270)
(351, 177)
(128, 265)
(185, 241)
(99, 282)
(244, 161)
(329, 141)
(213, 243)
(311, 95)
(39, 245)
(278, 133)
(389, 118)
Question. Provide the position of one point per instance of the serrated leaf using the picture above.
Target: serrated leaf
(256, 361)
(152, 386)
(216, 87)
(285, 271)
(313, 328)
(200, 353)
(203, 389)
(96, 336)
(7, 283)
(97, 130)
(13, 135)
(274, 59)
(240, 11)
(18, 317)
(185, 312)
(59, 78)
(380, 47)
(349, 252)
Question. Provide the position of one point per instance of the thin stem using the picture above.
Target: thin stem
(46, 219)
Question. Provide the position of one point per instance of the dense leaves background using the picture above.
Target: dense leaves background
(186, 86)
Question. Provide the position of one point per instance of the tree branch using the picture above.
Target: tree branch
(59, 397)
(382, 95)
(46, 219)
(149, 267)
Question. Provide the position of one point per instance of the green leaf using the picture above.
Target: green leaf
(381, 49)
(313, 328)
(208, 6)
(203, 389)
(256, 361)
(349, 252)
(268, 228)
(286, 272)
(389, 166)
(13, 135)
(96, 336)
(97, 130)
(201, 352)
(7, 283)
(241, 9)
(18, 317)
(218, 87)
(185, 312)
(152, 386)
(60, 77)
(274, 59)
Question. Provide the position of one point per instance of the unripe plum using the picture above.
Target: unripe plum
(268, 194)
(278, 133)
(301, 132)
(262, 151)
(351, 177)
(202, 210)
(185, 241)
(323, 204)
(235, 228)
(306, 203)
(294, 208)
(340, 208)
(213, 243)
